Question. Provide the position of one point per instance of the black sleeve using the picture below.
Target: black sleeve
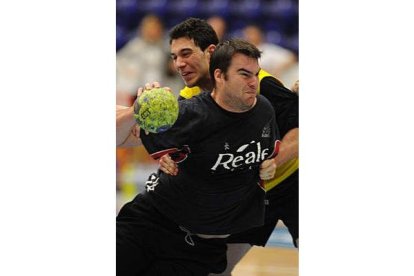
(284, 102)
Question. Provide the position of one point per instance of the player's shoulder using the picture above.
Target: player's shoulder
(189, 92)
(197, 104)
(195, 112)
(271, 86)
(263, 102)
(263, 73)
(266, 77)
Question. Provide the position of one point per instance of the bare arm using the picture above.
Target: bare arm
(127, 134)
(133, 139)
(289, 148)
(127, 130)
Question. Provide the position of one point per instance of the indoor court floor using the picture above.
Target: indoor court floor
(268, 261)
(278, 258)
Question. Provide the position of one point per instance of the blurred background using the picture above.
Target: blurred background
(142, 37)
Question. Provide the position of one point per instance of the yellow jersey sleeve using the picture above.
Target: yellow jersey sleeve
(188, 92)
(282, 173)
(262, 74)
(289, 167)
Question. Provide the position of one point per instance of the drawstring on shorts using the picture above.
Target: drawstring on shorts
(188, 239)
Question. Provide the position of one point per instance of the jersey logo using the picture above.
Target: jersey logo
(246, 154)
(226, 146)
(152, 182)
(266, 131)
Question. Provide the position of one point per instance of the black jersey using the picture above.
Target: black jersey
(217, 190)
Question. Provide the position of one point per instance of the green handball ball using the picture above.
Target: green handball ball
(156, 110)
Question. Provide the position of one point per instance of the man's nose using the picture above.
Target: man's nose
(253, 82)
(179, 63)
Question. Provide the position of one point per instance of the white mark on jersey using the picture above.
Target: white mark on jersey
(152, 182)
(266, 131)
(242, 148)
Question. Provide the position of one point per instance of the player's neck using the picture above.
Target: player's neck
(228, 104)
(206, 85)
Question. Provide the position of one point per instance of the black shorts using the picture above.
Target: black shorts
(283, 204)
(148, 243)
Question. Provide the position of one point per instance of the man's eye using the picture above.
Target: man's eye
(186, 54)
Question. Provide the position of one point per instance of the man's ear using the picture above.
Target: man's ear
(218, 76)
(210, 49)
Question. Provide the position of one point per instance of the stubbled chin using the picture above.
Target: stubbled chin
(251, 96)
(251, 100)
(188, 80)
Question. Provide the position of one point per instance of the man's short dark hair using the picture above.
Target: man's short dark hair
(198, 30)
(224, 52)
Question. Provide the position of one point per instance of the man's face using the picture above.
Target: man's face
(190, 61)
(241, 83)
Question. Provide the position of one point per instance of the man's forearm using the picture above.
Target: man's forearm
(125, 122)
(289, 148)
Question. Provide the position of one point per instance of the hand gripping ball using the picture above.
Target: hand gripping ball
(156, 110)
